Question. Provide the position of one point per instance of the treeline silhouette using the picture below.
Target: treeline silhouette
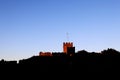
(106, 60)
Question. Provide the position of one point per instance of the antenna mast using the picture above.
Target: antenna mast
(67, 37)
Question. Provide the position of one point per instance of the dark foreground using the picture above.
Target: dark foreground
(107, 61)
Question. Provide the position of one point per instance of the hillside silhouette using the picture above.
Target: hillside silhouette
(106, 60)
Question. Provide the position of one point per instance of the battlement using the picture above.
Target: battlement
(66, 45)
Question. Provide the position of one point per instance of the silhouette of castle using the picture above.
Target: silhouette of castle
(66, 45)
(68, 49)
(104, 61)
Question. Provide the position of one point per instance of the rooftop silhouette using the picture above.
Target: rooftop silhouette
(76, 61)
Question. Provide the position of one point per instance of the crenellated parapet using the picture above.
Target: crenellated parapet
(69, 44)
(66, 45)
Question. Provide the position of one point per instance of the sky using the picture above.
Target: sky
(30, 26)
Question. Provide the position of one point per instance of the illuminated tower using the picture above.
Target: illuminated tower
(66, 46)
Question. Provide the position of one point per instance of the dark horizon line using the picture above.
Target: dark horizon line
(75, 53)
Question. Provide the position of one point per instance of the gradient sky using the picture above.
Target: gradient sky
(30, 26)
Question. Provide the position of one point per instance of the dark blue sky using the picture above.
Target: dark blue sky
(30, 26)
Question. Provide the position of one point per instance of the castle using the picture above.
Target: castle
(68, 49)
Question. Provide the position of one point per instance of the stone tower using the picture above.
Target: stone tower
(67, 45)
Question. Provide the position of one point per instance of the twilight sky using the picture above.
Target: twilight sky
(30, 26)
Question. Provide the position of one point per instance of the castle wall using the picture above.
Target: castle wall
(45, 54)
